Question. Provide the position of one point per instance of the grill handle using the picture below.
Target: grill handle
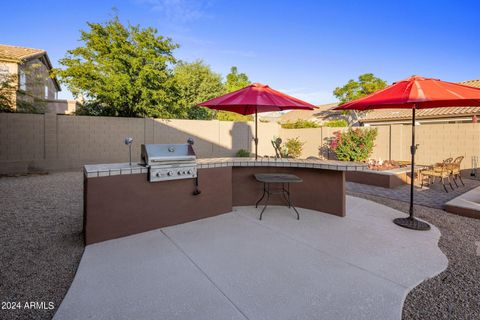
(197, 191)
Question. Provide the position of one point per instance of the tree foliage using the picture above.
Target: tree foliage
(235, 80)
(196, 82)
(129, 71)
(300, 124)
(122, 71)
(367, 83)
(7, 92)
(336, 123)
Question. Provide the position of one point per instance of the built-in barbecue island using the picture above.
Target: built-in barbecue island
(122, 199)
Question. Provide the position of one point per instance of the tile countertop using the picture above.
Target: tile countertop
(110, 169)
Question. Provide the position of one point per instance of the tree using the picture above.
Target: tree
(367, 83)
(196, 82)
(7, 92)
(234, 81)
(122, 71)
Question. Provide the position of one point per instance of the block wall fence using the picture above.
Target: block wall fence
(50, 142)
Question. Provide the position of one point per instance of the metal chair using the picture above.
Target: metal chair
(441, 171)
(454, 168)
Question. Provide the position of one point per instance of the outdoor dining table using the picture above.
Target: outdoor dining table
(276, 178)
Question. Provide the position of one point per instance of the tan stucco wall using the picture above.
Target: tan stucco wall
(436, 142)
(56, 142)
(60, 106)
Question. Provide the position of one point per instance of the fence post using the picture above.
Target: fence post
(396, 142)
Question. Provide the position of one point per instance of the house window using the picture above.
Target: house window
(46, 92)
(23, 80)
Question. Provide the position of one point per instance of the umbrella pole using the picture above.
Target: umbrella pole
(256, 130)
(411, 222)
(413, 149)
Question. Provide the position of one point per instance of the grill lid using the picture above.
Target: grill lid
(166, 153)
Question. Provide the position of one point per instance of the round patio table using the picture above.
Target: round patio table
(276, 178)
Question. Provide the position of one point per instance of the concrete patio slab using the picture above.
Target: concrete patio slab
(368, 240)
(143, 276)
(236, 267)
(467, 204)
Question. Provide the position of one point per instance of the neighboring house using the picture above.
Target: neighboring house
(36, 90)
(431, 116)
(322, 114)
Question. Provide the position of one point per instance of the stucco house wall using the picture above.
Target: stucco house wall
(36, 90)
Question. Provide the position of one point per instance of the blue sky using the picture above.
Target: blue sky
(304, 48)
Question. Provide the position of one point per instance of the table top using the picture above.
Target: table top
(277, 178)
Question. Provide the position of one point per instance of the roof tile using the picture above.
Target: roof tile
(18, 53)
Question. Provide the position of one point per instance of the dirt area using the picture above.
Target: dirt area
(41, 241)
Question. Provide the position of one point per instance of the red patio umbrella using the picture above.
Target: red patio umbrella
(253, 99)
(416, 93)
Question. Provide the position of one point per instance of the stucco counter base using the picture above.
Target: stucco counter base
(119, 201)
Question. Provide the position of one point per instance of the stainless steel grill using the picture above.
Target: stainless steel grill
(169, 161)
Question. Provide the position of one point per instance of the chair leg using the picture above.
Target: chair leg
(444, 186)
(460, 177)
(449, 182)
(454, 180)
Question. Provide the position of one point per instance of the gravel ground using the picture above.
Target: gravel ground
(455, 293)
(40, 239)
(41, 246)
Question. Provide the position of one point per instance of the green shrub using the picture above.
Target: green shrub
(354, 144)
(242, 153)
(300, 124)
(293, 148)
(336, 123)
(232, 116)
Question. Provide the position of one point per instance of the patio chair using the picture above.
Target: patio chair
(446, 161)
(454, 168)
(440, 171)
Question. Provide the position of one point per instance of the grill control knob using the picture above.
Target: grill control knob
(158, 174)
(179, 172)
(170, 173)
(190, 171)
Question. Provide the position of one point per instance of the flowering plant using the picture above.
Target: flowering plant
(354, 144)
